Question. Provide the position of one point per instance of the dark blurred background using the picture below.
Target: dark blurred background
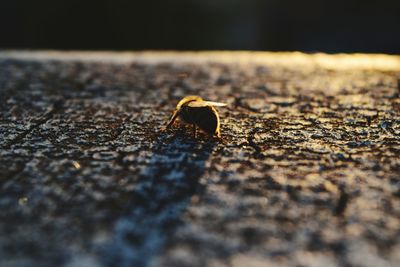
(275, 25)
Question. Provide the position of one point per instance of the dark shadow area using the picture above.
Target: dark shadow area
(162, 194)
(310, 26)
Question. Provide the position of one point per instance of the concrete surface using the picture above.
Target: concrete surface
(307, 174)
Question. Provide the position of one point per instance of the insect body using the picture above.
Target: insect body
(194, 110)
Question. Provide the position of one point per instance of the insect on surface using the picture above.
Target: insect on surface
(200, 113)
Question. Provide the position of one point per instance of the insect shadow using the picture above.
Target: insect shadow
(162, 194)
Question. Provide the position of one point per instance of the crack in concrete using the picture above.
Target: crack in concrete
(55, 108)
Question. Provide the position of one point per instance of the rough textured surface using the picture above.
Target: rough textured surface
(308, 173)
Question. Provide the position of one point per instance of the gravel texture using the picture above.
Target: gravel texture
(307, 172)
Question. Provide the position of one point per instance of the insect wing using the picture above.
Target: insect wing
(199, 104)
(215, 104)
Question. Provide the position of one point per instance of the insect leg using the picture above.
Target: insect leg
(172, 119)
(194, 130)
(219, 133)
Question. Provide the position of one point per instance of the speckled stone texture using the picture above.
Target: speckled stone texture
(307, 173)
